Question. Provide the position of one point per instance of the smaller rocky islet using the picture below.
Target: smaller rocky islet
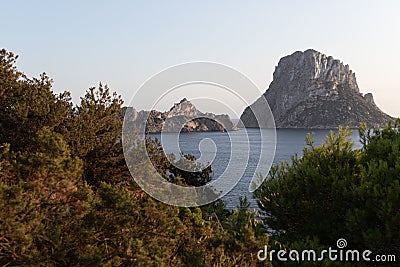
(182, 117)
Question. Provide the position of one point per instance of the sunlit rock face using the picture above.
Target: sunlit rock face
(312, 90)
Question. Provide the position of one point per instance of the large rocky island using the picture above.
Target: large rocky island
(312, 90)
(182, 117)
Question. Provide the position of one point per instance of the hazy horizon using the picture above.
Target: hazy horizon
(123, 43)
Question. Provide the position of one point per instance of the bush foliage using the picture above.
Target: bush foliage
(334, 191)
(68, 199)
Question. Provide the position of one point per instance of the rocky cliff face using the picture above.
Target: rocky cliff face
(182, 117)
(312, 90)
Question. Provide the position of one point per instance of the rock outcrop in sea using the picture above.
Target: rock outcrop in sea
(312, 90)
(182, 117)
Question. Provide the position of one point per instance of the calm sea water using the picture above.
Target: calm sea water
(230, 151)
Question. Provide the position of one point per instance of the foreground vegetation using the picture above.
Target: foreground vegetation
(68, 199)
(334, 191)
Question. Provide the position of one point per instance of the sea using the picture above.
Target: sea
(245, 154)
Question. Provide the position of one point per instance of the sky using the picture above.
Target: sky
(123, 43)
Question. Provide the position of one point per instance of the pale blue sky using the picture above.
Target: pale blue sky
(122, 43)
